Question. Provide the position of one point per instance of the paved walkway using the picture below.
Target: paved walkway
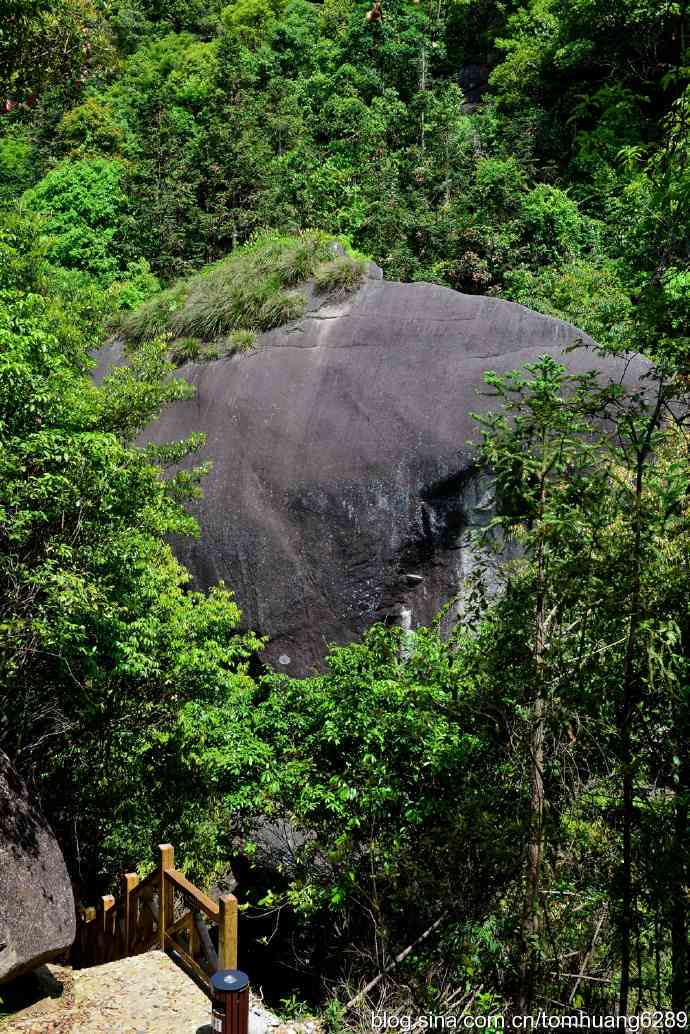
(140, 995)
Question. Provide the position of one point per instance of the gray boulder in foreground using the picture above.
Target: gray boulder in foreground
(37, 915)
(343, 488)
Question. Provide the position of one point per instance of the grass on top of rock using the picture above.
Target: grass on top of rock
(194, 350)
(252, 290)
(342, 274)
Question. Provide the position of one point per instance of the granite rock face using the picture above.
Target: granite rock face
(37, 915)
(343, 488)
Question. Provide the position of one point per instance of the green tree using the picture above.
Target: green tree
(379, 762)
(84, 206)
(101, 645)
(596, 521)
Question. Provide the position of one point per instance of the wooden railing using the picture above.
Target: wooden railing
(166, 911)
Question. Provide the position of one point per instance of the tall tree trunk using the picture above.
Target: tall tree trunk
(626, 924)
(422, 90)
(642, 444)
(535, 835)
(625, 732)
(535, 853)
(683, 32)
(678, 861)
(680, 953)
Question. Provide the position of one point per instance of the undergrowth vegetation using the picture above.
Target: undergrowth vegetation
(254, 289)
(342, 274)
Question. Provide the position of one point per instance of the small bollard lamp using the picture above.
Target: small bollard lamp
(230, 1002)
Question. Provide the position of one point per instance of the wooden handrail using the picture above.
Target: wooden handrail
(143, 885)
(183, 924)
(205, 903)
(145, 918)
(190, 963)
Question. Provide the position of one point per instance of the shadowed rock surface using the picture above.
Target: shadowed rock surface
(37, 918)
(343, 489)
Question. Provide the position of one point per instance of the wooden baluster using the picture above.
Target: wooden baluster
(129, 881)
(206, 942)
(107, 906)
(90, 940)
(80, 953)
(166, 894)
(107, 927)
(148, 914)
(227, 932)
(194, 942)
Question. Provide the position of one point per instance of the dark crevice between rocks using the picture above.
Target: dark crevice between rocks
(421, 571)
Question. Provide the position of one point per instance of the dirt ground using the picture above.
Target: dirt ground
(137, 995)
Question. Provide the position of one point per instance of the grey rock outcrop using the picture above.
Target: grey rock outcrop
(37, 915)
(343, 488)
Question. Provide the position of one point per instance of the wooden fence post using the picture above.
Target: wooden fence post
(93, 935)
(106, 933)
(227, 932)
(107, 905)
(129, 881)
(166, 893)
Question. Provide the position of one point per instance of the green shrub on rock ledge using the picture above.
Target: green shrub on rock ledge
(342, 274)
(252, 290)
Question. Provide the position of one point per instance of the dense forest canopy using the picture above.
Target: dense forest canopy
(527, 780)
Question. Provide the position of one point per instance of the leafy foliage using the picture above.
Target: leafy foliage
(101, 645)
(162, 167)
(84, 205)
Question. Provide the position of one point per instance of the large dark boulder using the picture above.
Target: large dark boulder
(37, 915)
(343, 488)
